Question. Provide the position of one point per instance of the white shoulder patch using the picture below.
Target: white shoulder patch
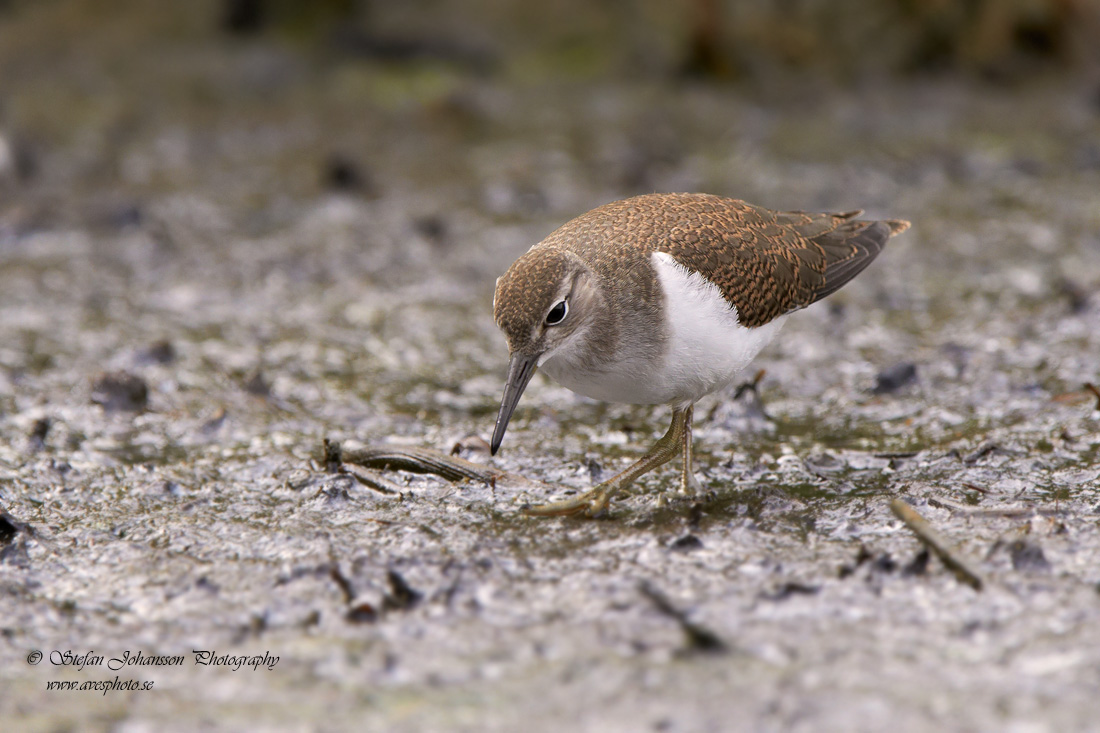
(708, 346)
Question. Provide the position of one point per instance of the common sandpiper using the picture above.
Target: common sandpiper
(663, 299)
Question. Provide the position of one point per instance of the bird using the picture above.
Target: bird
(665, 298)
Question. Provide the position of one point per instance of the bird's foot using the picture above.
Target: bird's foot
(690, 489)
(690, 486)
(591, 503)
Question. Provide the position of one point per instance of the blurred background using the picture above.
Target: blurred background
(228, 147)
(513, 108)
(170, 170)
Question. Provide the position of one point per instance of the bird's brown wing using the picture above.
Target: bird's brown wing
(768, 263)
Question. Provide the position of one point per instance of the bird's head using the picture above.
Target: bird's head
(544, 303)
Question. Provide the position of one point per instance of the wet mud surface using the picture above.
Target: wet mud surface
(205, 275)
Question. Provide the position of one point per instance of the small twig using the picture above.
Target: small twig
(426, 460)
(982, 451)
(342, 582)
(422, 460)
(1015, 510)
(333, 460)
(699, 638)
(401, 597)
(1095, 392)
(331, 457)
(936, 543)
(372, 480)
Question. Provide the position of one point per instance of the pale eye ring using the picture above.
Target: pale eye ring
(557, 313)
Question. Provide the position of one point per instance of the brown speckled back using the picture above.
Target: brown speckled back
(766, 263)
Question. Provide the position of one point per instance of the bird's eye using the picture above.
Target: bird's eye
(557, 313)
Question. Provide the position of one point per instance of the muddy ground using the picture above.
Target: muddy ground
(220, 253)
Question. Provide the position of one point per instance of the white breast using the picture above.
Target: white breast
(707, 346)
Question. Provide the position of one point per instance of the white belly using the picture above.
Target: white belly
(707, 348)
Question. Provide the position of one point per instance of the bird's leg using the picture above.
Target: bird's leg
(596, 499)
(689, 485)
